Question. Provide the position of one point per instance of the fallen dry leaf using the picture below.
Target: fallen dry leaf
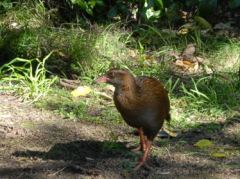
(188, 52)
(183, 31)
(204, 143)
(133, 53)
(218, 154)
(188, 63)
(81, 91)
(149, 58)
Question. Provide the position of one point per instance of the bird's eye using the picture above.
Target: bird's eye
(111, 74)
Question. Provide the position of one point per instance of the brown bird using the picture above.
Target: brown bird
(142, 102)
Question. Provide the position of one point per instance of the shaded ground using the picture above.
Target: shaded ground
(39, 144)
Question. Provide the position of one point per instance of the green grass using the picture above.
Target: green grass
(26, 15)
(191, 105)
(26, 78)
(204, 100)
(222, 54)
(204, 105)
(195, 100)
(62, 102)
(213, 92)
(79, 52)
(87, 53)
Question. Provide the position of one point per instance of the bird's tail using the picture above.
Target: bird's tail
(168, 118)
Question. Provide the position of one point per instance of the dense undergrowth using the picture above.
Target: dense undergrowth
(70, 51)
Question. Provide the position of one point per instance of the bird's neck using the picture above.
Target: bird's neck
(127, 88)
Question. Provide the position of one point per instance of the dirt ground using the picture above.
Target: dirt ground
(39, 144)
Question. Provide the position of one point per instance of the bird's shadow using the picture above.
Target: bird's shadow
(80, 151)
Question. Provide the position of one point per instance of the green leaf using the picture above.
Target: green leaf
(99, 2)
(89, 11)
(80, 3)
(159, 4)
(85, 6)
(92, 4)
(203, 23)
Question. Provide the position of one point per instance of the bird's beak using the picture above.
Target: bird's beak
(102, 79)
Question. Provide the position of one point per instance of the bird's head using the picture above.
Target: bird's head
(115, 77)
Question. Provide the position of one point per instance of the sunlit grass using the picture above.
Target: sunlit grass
(87, 53)
(26, 15)
(223, 56)
(26, 78)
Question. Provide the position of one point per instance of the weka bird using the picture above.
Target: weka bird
(143, 103)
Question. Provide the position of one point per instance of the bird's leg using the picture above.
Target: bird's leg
(142, 145)
(142, 140)
(145, 155)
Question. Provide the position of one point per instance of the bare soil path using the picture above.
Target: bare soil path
(36, 143)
